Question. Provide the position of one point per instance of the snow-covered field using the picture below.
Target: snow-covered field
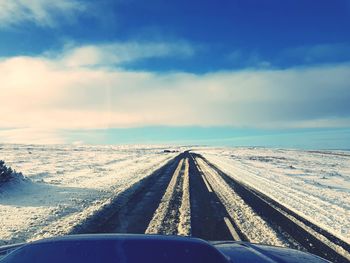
(315, 184)
(66, 184)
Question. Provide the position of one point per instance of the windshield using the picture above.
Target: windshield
(223, 120)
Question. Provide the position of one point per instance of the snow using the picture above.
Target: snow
(315, 184)
(254, 228)
(184, 227)
(66, 184)
(158, 221)
(173, 215)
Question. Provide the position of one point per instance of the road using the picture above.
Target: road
(190, 196)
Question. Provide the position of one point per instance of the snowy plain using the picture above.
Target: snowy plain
(67, 184)
(314, 184)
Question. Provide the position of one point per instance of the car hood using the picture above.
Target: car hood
(147, 248)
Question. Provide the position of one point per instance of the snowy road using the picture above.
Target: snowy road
(288, 198)
(190, 196)
(174, 200)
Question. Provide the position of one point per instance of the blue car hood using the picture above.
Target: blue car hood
(147, 248)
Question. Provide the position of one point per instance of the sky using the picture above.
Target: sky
(210, 72)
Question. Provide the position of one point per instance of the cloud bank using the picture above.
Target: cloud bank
(76, 89)
(40, 12)
(119, 53)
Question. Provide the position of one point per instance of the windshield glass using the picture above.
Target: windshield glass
(223, 120)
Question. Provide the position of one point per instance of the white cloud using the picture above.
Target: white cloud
(40, 12)
(31, 135)
(117, 53)
(43, 94)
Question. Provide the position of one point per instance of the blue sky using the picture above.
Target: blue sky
(229, 72)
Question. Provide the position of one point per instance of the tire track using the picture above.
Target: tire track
(184, 227)
(132, 210)
(209, 218)
(252, 226)
(275, 213)
(166, 217)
